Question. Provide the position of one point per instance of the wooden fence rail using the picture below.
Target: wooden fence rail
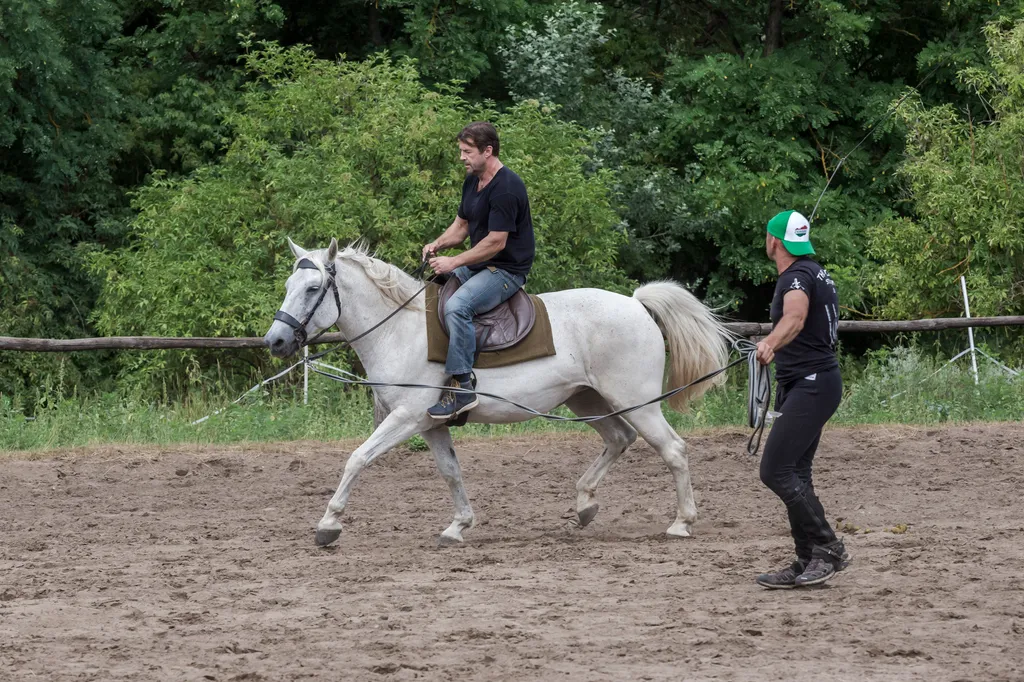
(740, 328)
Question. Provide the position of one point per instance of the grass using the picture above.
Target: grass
(928, 393)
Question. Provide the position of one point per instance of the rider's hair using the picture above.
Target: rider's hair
(481, 135)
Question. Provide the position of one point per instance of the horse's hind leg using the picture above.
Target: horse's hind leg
(440, 442)
(651, 424)
(617, 434)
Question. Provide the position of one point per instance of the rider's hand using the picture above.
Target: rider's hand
(765, 353)
(442, 265)
(429, 250)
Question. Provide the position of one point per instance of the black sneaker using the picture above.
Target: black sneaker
(453, 403)
(826, 561)
(781, 580)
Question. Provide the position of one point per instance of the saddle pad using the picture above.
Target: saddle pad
(538, 343)
(503, 327)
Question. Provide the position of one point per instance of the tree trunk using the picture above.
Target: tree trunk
(773, 27)
(375, 35)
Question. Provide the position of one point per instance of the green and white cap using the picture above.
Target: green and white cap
(794, 231)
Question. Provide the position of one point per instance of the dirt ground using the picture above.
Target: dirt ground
(195, 563)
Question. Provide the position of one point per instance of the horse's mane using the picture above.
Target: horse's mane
(394, 284)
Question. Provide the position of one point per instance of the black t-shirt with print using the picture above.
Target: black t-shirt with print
(501, 206)
(814, 348)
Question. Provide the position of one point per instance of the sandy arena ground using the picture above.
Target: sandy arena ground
(192, 563)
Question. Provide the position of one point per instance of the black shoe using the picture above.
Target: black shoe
(453, 403)
(826, 561)
(781, 580)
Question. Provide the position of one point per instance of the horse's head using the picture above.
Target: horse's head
(308, 305)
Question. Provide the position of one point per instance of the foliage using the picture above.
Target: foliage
(554, 64)
(558, 64)
(753, 120)
(965, 170)
(182, 77)
(60, 134)
(457, 41)
(353, 150)
(757, 133)
(95, 94)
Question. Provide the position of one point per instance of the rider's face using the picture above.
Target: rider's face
(473, 159)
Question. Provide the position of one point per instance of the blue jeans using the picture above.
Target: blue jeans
(480, 292)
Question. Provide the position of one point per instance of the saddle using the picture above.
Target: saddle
(503, 327)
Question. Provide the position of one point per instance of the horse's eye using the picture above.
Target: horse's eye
(312, 290)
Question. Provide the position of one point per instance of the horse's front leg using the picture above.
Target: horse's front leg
(395, 429)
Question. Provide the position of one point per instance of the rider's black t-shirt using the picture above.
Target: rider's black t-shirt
(501, 206)
(814, 348)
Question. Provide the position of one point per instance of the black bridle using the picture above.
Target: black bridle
(300, 327)
(329, 285)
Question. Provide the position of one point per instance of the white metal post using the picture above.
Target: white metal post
(970, 330)
(305, 375)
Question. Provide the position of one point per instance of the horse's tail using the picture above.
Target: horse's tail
(697, 339)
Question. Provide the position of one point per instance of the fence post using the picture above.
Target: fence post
(970, 330)
(305, 375)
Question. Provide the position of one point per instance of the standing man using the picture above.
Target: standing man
(495, 215)
(805, 314)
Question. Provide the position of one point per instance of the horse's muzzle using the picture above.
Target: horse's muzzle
(281, 341)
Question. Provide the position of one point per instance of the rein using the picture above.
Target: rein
(759, 391)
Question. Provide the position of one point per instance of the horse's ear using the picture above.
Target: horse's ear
(297, 250)
(332, 250)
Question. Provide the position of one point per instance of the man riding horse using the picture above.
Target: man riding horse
(495, 214)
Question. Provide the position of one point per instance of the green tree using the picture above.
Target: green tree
(458, 40)
(95, 95)
(760, 102)
(60, 135)
(965, 170)
(353, 150)
(557, 63)
(182, 76)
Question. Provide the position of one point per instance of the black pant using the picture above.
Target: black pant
(805, 405)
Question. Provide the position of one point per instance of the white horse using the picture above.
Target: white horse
(610, 354)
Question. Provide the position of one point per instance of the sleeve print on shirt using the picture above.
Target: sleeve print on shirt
(798, 281)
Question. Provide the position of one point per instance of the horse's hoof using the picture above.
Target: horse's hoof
(587, 515)
(325, 537)
(448, 541)
(679, 530)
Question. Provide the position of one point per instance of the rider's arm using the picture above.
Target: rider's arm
(486, 249)
(454, 236)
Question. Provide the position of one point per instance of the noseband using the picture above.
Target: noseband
(330, 285)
